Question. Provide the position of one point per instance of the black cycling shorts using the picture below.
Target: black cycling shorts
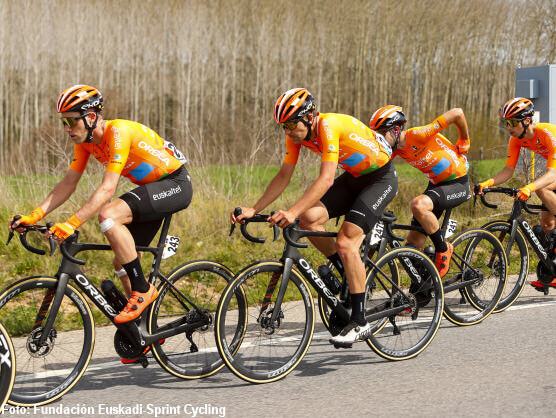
(446, 195)
(150, 203)
(362, 199)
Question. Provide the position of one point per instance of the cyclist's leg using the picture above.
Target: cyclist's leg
(548, 197)
(313, 219)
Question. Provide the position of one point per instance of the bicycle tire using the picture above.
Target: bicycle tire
(478, 255)
(404, 335)
(202, 281)
(7, 365)
(518, 262)
(41, 374)
(267, 352)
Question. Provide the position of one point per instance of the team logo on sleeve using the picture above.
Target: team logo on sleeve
(117, 157)
(331, 148)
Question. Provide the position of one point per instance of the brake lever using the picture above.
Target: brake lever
(275, 229)
(237, 212)
(11, 234)
(51, 240)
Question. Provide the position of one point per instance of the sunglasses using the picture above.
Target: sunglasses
(291, 125)
(512, 122)
(71, 122)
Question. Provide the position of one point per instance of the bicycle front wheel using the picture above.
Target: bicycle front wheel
(190, 355)
(404, 303)
(476, 279)
(7, 365)
(270, 349)
(45, 373)
(518, 261)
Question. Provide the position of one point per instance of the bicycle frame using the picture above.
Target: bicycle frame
(517, 220)
(291, 256)
(138, 334)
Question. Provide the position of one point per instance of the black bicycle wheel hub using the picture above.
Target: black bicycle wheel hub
(33, 347)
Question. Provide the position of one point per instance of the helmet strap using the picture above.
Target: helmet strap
(524, 129)
(396, 138)
(309, 127)
(90, 129)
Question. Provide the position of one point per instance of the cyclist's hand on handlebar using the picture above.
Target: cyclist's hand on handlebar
(478, 188)
(246, 213)
(524, 193)
(281, 218)
(462, 146)
(63, 230)
(30, 219)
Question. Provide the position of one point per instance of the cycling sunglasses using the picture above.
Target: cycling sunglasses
(291, 125)
(71, 122)
(512, 122)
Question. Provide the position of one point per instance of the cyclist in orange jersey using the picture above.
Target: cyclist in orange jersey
(444, 164)
(517, 116)
(361, 193)
(126, 149)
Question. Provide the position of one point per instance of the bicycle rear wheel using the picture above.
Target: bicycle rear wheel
(7, 365)
(476, 279)
(44, 374)
(268, 350)
(405, 333)
(518, 262)
(203, 282)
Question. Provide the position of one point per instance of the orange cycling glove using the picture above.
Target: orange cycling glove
(525, 192)
(67, 228)
(33, 218)
(462, 146)
(485, 184)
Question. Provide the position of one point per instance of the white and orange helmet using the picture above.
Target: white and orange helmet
(517, 108)
(80, 98)
(386, 118)
(293, 105)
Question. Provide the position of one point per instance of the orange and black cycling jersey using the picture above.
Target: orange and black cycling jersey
(542, 143)
(347, 141)
(132, 150)
(432, 154)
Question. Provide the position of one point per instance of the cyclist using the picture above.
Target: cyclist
(540, 138)
(444, 165)
(361, 193)
(126, 149)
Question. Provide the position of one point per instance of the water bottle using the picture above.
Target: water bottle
(115, 298)
(329, 278)
(539, 233)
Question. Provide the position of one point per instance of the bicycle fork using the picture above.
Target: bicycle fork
(276, 314)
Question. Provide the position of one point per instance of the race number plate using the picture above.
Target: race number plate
(170, 247)
(451, 228)
(376, 235)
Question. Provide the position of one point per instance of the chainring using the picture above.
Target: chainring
(124, 347)
(335, 324)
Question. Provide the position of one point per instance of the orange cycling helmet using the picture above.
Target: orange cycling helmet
(80, 98)
(386, 118)
(517, 108)
(293, 105)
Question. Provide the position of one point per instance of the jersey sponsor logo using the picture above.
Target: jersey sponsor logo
(331, 148)
(373, 146)
(550, 136)
(167, 193)
(117, 137)
(382, 197)
(448, 150)
(154, 152)
(327, 130)
(117, 157)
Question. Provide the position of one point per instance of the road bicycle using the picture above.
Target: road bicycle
(515, 233)
(476, 278)
(278, 319)
(52, 325)
(7, 365)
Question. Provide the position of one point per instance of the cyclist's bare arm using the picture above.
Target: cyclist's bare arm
(457, 117)
(546, 179)
(501, 177)
(100, 197)
(58, 195)
(313, 194)
(275, 188)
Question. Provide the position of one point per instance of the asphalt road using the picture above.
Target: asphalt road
(505, 366)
